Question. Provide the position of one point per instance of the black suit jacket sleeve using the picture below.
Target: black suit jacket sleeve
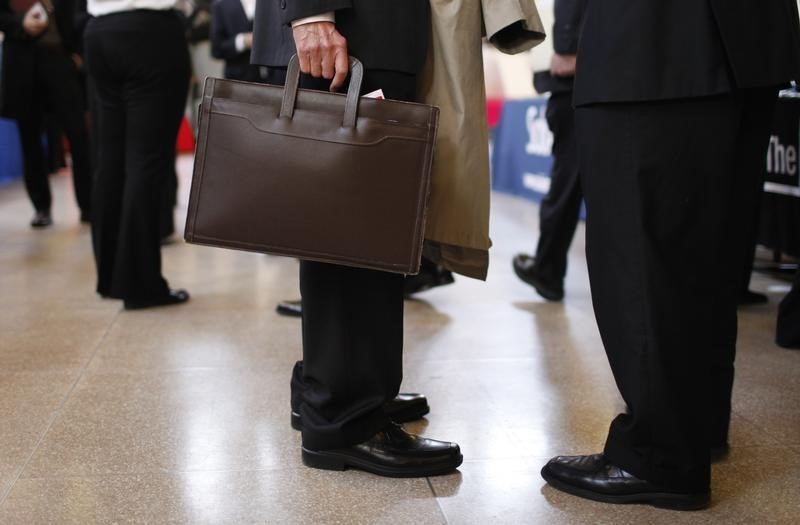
(223, 39)
(567, 26)
(296, 9)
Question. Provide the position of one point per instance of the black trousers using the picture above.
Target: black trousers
(664, 185)
(56, 88)
(352, 327)
(560, 209)
(169, 199)
(139, 66)
(788, 327)
(54, 153)
(748, 237)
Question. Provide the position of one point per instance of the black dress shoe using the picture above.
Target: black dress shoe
(402, 409)
(392, 452)
(525, 268)
(407, 407)
(592, 477)
(41, 219)
(787, 341)
(426, 279)
(749, 297)
(171, 297)
(290, 308)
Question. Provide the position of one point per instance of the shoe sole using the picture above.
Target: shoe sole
(403, 416)
(547, 294)
(334, 461)
(288, 312)
(663, 500)
(136, 306)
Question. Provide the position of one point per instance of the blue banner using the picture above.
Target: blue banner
(10, 152)
(521, 159)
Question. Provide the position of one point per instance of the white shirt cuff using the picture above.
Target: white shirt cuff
(240, 46)
(324, 17)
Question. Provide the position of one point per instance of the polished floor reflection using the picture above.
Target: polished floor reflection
(181, 414)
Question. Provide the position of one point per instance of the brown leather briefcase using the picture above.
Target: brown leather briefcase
(313, 175)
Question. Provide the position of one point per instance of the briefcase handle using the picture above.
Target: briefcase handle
(351, 104)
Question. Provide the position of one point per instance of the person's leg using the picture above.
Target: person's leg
(353, 361)
(154, 96)
(91, 103)
(352, 367)
(748, 241)
(750, 177)
(655, 176)
(352, 352)
(169, 199)
(352, 356)
(560, 209)
(110, 118)
(29, 116)
(29, 125)
(352, 327)
(787, 331)
(140, 77)
(402, 408)
(352, 331)
(66, 98)
(348, 311)
(53, 133)
(744, 184)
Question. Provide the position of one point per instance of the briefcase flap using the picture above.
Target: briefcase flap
(317, 176)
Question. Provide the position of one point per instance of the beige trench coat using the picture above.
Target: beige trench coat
(457, 231)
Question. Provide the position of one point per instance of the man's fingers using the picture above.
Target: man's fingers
(305, 64)
(328, 65)
(342, 66)
(316, 60)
